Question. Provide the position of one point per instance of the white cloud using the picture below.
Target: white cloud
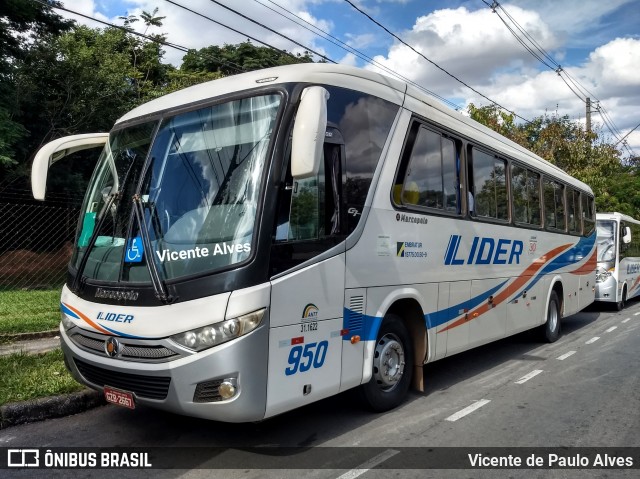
(477, 48)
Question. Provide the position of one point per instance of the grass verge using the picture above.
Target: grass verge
(29, 311)
(31, 376)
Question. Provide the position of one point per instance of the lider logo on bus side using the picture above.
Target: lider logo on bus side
(483, 251)
(633, 268)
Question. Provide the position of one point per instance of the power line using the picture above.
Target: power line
(284, 52)
(154, 39)
(432, 62)
(271, 30)
(541, 55)
(340, 44)
(625, 136)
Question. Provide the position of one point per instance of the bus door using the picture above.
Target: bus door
(308, 287)
(457, 329)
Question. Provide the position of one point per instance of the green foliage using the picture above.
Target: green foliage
(25, 376)
(22, 23)
(232, 59)
(29, 311)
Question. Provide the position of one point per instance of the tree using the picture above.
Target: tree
(566, 144)
(21, 24)
(233, 59)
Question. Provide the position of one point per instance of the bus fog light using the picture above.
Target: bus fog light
(227, 389)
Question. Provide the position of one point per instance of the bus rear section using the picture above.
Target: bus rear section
(618, 272)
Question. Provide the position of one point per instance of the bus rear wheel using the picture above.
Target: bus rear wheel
(551, 328)
(620, 305)
(392, 366)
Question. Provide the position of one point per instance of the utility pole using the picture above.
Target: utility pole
(588, 115)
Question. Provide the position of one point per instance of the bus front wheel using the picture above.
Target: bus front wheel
(392, 366)
(551, 329)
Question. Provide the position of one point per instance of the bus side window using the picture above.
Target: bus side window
(310, 208)
(488, 176)
(429, 173)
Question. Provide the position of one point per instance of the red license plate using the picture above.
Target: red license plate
(118, 397)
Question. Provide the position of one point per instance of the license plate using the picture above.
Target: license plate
(118, 397)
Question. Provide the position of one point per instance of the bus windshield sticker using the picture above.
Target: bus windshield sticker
(410, 249)
(384, 245)
(166, 255)
(135, 250)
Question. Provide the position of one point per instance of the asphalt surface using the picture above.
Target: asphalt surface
(577, 392)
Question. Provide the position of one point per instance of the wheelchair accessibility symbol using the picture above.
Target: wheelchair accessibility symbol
(135, 250)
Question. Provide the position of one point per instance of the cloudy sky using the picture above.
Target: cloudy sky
(595, 42)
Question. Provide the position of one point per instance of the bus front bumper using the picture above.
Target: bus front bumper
(186, 385)
(607, 290)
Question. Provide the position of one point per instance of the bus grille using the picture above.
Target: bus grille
(129, 351)
(152, 387)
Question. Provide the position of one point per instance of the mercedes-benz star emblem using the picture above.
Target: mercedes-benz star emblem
(112, 347)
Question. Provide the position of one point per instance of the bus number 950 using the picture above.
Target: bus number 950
(302, 360)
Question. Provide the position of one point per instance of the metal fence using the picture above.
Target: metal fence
(35, 246)
(35, 239)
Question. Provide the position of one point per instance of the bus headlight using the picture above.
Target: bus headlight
(214, 334)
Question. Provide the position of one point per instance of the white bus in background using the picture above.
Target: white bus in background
(618, 274)
(253, 244)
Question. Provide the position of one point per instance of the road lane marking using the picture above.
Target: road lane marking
(368, 465)
(624, 321)
(612, 328)
(566, 355)
(532, 374)
(468, 410)
(593, 340)
(636, 314)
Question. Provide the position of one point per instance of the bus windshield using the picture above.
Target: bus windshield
(198, 182)
(606, 240)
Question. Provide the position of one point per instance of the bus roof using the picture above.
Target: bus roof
(617, 217)
(359, 79)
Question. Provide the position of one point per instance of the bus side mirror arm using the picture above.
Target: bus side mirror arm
(308, 132)
(56, 150)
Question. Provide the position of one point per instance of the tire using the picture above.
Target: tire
(551, 328)
(389, 384)
(620, 305)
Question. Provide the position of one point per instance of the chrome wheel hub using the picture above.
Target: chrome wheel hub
(388, 362)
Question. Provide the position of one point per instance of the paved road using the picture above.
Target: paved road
(577, 392)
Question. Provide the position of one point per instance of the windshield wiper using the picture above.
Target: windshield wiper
(159, 286)
(75, 286)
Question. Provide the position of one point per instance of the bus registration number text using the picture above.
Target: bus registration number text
(119, 398)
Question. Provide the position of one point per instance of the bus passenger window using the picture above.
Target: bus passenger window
(489, 179)
(525, 187)
(430, 173)
(554, 208)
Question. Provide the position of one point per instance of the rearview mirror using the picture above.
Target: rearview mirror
(56, 150)
(626, 239)
(308, 132)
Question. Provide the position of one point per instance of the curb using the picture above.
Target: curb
(35, 410)
(28, 336)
